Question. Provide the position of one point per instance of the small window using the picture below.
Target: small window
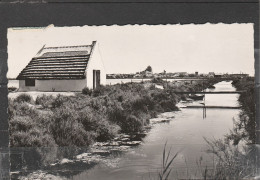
(29, 82)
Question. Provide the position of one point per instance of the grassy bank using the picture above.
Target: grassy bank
(90, 116)
(245, 125)
(93, 115)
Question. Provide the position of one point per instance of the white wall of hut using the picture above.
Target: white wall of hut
(54, 85)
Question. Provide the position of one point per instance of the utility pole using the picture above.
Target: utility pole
(166, 79)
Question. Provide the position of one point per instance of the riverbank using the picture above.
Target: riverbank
(244, 129)
(92, 116)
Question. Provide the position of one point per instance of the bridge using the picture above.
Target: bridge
(212, 107)
(209, 92)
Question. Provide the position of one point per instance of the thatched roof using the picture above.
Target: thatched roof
(68, 62)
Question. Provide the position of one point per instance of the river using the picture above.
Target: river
(184, 132)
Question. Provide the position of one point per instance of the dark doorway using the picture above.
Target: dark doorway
(96, 79)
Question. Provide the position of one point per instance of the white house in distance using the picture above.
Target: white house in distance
(68, 68)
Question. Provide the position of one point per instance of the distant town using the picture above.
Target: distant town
(148, 73)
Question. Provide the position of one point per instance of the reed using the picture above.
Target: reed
(244, 128)
(166, 164)
(231, 161)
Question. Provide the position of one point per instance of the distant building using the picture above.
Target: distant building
(238, 75)
(181, 74)
(196, 73)
(67, 68)
(156, 75)
(211, 74)
(137, 76)
(148, 74)
(217, 75)
(203, 75)
(191, 75)
(225, 75)
(111, 76)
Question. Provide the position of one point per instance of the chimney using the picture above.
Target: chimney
(93, 43)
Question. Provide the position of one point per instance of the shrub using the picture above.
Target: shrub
(166, 99)
(94, 121)
(23, 98)
(245, 126)
(44, 100)
(67, 130)
(106, 131)
(232, 162)
(24, 132)
(25, 139)
(100, 91)
(132, 124)
(96, 104)
(10, 89)
(80, 120)
(58, 101)
(20, 109)
(116, 113)
(50, 101)
(168, 105)
(139, 105)
(86, 91)
(157, 80)
(11, 108)
(19, 123)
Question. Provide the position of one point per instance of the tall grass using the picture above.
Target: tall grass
(228, 162)
(167, 162)
(245, 125)
(231, 161)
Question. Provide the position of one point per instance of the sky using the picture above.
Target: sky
(219, 48)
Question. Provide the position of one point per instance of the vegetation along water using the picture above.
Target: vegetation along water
(111, 115)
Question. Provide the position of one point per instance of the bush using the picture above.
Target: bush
(23, 98)
(11, 108)
(24, 132)
(31, 139)
(139, 105)
(245, 125)
(50, 101)
(132, 124)
(106, 131)
(66, 129)
(166, 99)
(82, 120)
(232, 162)
(19, 123)
(93, 121)
(44, 100)
(11, 89)
(86, 91)
(100, 91)
(123, 115)
(157, 80)
(20, 109)
(58, 101)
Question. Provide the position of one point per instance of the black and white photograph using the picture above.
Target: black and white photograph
(132, 102)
